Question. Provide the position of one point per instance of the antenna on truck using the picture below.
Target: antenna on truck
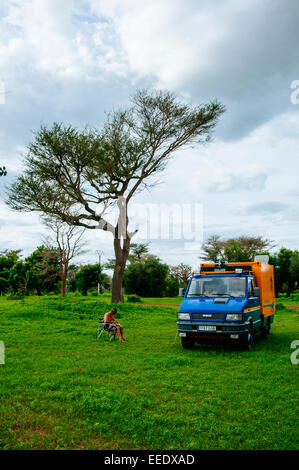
(220, 264)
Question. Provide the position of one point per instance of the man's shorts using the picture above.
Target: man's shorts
(109, 326)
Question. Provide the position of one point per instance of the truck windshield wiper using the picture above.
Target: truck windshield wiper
(197, 295)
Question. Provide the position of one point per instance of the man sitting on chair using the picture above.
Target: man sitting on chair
(109, 322)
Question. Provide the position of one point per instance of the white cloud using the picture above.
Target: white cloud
(60, 44)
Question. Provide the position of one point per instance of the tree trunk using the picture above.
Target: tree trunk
(63, 272)
(63, 286)
(117, 283)
(121, 256)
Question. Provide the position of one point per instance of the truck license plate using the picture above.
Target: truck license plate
(206, 328)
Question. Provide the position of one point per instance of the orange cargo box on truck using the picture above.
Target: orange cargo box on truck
(264, 275)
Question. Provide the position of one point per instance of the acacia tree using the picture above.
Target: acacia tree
(182, 272)
(78, 175)
(66, 241)
(137, 251)
(234, 249)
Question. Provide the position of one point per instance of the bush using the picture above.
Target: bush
(172, 287)
(146, 278)
(74, 294)
(134, 298)
(3, 285)
(93, 293)
(17, 296)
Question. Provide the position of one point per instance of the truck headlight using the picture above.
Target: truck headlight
(184, 316)
(234, 316)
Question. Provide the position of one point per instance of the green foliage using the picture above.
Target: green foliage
(234, 249)
(3, 285)
(3, 171)
(234, 252)
(172, 286)
(89, 277)
(110, 264)
(147, 278)
(286, 270)
(71, 279)
(294, 267)
(94, 293)
(7, 260)
(42, 270)
(137, 252)
(18, 277)
(134, 298)
(133, 145)
(18, 295)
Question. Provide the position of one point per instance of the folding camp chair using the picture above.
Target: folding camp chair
(101, 330)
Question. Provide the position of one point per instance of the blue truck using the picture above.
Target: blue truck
(227, 301)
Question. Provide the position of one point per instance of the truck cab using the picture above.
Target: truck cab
(227, 301)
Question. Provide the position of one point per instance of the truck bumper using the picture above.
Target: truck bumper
(220, 330)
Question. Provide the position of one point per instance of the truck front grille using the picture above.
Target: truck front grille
(207, 316)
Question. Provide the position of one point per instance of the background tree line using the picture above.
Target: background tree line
(49, 268)
(40, 273)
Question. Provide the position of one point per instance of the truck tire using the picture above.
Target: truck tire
(247, 339)
(187, 343)
(265, 330)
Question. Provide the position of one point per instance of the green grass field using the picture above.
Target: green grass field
(61, 388)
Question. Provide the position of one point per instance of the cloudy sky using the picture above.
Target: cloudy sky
(73, 60)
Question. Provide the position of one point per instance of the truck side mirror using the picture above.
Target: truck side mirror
(181, 292)
(256, 291)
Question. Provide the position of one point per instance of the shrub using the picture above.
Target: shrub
(134, 298)
(94, 293)
(146, 278)
(172, 286)
(74, 294)
(17, 296)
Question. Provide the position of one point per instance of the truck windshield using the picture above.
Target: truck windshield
(217, 286)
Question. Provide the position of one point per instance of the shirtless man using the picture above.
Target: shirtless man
(109, 320)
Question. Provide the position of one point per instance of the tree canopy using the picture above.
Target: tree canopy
(234, 249)
(182, 272)
(89, 277)
(286, 270)
(65, 240)
(3, 171)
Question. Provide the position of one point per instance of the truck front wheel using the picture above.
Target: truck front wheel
(265, 330)
(187, 343)
(247, 341)
(247, 338)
